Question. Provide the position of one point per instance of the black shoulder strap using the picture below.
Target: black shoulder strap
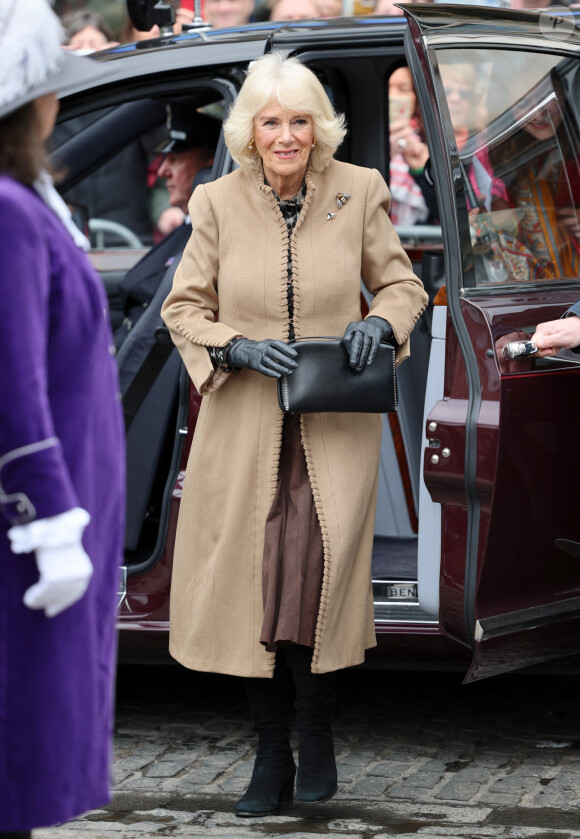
(147, 374)
(154, 263)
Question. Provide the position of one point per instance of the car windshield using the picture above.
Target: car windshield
(514, 117)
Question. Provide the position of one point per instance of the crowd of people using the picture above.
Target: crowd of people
(113, 23)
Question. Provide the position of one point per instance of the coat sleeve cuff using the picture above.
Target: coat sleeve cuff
(55, 532)
(34, 483)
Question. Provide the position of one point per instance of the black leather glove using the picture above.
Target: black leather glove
(362, 339)
(269, 357)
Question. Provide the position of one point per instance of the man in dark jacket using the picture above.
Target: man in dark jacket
(188, 149)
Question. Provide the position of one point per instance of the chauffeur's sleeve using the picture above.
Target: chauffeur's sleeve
(34, 480)
(573, 310)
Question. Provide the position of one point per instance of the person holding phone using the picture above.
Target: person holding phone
(413, 200)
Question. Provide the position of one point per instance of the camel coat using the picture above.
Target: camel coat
(237, 258)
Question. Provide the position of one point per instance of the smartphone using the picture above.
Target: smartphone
(400, 108)
(519, 349)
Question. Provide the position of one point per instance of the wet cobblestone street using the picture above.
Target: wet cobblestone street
(418, 754)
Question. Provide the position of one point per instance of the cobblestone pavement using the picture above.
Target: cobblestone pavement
(418, 755)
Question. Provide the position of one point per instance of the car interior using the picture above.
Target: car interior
(357, 93)
(153, 447)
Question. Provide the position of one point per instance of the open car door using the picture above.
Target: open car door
(502, 459)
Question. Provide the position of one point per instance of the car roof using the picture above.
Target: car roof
(431, 16)
(272, 31)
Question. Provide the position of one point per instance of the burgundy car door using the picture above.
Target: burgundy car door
(500, 97)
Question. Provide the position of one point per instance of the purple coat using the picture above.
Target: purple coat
(61, 446)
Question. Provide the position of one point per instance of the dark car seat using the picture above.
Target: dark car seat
(148, 435)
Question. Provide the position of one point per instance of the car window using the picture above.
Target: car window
(107, 164)
(362, 88)
(514, 117)
(111, 170)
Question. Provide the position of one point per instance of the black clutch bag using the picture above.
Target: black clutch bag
(325, 381)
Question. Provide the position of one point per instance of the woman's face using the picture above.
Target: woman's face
(401, 86)
(459, 101)
(46, 110)
(459, 89)
(89, 39)
(283, 140)
(545, 123)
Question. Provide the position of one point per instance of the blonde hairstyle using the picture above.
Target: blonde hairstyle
(293, 86)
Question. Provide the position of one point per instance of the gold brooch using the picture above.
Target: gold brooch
(341, 199)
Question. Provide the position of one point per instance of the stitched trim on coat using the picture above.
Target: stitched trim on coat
(310, 189)
(268, 193)
(325, 544)
(273, 203)
(199, 342)
(402, 338)
(271, 494)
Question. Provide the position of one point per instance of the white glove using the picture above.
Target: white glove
(64, 567)
(65, 574)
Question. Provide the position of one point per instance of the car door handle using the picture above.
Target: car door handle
(519, 349)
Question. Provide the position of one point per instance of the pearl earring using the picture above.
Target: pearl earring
(314, 143)
(251, 144)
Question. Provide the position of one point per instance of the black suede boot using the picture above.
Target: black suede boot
(315, 696)
(16, 835)
(272, 781)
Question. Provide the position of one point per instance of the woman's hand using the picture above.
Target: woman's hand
(362, 339)
(269, 357)
(404, 140)
(557, 334)
(182, 16)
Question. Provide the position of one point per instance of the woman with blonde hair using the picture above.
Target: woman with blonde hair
(272, 559)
